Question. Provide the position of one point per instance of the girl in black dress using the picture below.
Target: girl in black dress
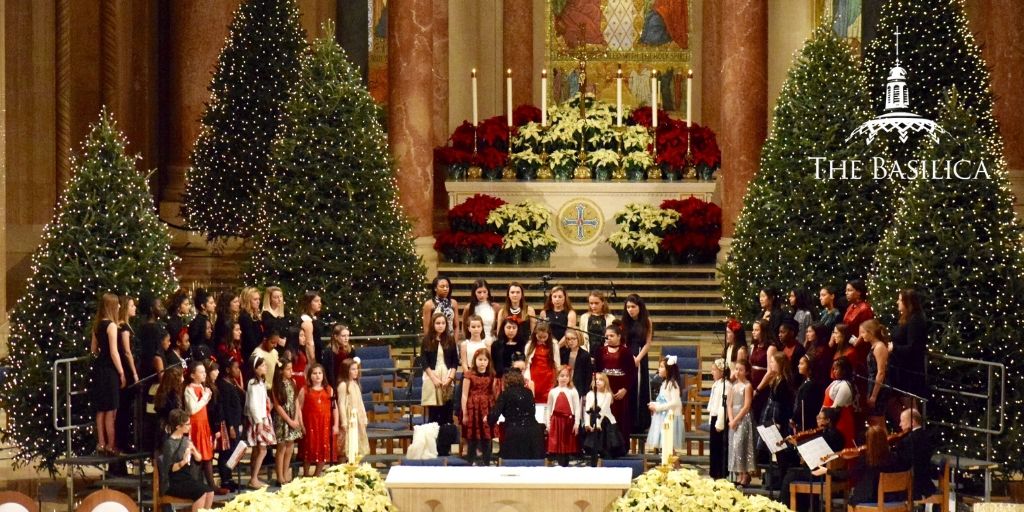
(229, 306)
(506, 346)
(272, 318)
(178, 310)
(249, 321)
(559, 313)
(206, 307)
(125, 420)
(108, 376)
(639, 330)
(517, 308)
(176, 456)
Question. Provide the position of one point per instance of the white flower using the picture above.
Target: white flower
(603, 158)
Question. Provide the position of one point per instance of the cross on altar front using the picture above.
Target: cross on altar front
(579, 222)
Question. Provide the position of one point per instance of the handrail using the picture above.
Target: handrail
(67, 382)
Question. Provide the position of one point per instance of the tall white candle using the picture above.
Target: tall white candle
(476, 109)
(508, 95)
(667, 431)
(689, 96)
(654, 98)
(543, 97)
(352, 442)
(618, 96)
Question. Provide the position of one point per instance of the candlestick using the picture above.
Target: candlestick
(543, 97)
(618, 96)
(654, 98)
(476, 110)
(508, 95)
(667, 431)
(689, 96)
(352, 448)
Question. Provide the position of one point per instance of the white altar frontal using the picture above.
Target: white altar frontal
(583, 212)
(506, 489)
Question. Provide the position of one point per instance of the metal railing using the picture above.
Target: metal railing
(68, 426)
(995, 377)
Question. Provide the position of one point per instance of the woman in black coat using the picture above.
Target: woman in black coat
(909, 348)
(524, 437)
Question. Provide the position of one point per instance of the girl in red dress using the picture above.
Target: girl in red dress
(479, 389)
(842, 396)
(541, 359)
(320, 419)
(197, 396)
(617, 363)
(561, 417)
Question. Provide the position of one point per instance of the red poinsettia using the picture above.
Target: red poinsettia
(471, 214)
(671, 140)
(462, 137)
(493, 133)
(486, 240)
(524, 114)
(698, 230)
(492, 158)
(704, 146)
(642, 117)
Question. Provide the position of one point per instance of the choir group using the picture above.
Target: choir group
(241, 371)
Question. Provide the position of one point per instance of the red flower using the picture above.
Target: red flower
(471, 214)
(462, 137)
(493, 133)
(486, 240)
(704, 146)
(642, 116)
(524, 114)
(492, 158)
(671, 140)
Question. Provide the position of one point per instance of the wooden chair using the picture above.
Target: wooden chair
(889, 483)
(941, 496)
(160, 500)
(827, 489)
(102, 500)
(19, 499)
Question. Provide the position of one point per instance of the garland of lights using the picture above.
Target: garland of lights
(105, 236)
(231, 157)
(331, 221)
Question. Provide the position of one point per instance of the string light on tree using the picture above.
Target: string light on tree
(105, 236)
(331, 221)
(231, 157)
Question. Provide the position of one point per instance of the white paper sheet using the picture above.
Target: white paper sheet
(772, 437)
(816, 452)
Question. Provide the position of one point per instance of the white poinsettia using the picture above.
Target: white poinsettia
(527, 156)
(623, 240)
(603, 158)
(562, 158)
(636, 138)
(638, 160)
(531, 131)
(340, 488)
(523, 225)
(685, 489)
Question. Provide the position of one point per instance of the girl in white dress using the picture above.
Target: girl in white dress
(481, 305)
(669, 399)
(475, 342)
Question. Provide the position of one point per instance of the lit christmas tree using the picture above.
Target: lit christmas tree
(938, 51)
(796, 230)
(231, 157)
(959, 244)
(332, 222)
(105, 237)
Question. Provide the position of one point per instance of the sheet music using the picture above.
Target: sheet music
(772, 437)
(816, 452)
(237, 454)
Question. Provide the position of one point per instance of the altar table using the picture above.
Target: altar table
(506, 489)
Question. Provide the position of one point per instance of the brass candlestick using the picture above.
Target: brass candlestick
(474, 172)
(654, 173)
(509, 173)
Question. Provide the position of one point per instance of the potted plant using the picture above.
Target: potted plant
(671, 140)
(563, 162)
(524, 230)
(695, 237)
(707, 157)
(603, 162)
(527, 163)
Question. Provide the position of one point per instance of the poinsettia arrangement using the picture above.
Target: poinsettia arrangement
(469, 230)
(698, 231)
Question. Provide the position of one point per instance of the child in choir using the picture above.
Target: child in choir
(595, 320)
(559, 314)
(261, 427)
(562, 417)
(603, 437)
(504, 347)
(320, 419)
(668, 400)
(218, 426)
(576, 357)
(176, 454)
(288, 427)
(717, 418)
(741, 430)
(479, 389)
(107, 374)
(197, 397)
(350, 396)
(232, 404)
(169, 396)
(616, 362)
(542, 359)
(476, 341)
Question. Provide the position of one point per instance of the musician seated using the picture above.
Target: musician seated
(826, 422)
(915, 452)
(877, 458)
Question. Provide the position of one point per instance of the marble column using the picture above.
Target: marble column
(1001, 23)
(711, 66)
(410, 114)
(744, 93)
(517, 50)
(196, 32)
(440, 126)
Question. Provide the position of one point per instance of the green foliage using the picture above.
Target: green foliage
(938, 51)
(231, 157)
(332, 218)
(105, 236)
(958, 242)
(795, 230)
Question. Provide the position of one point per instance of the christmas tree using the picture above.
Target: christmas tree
(938, 51)
(958, 243)
(105, 237)
(801, 227)
(332, 222)
(231, 157)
